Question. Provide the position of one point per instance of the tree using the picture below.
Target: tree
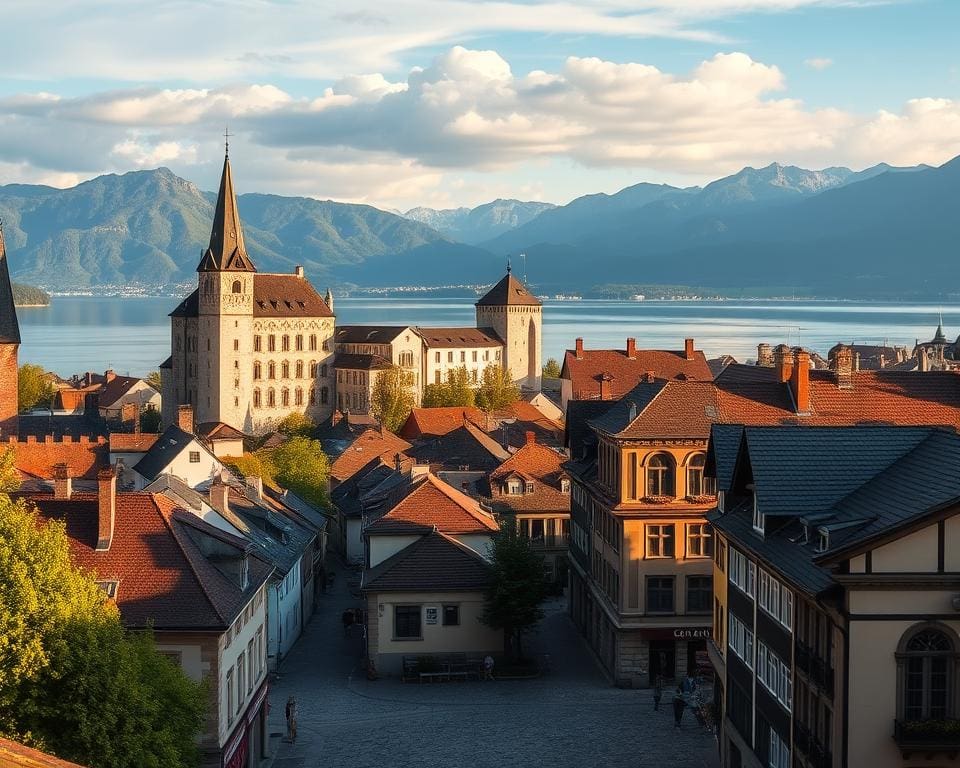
(456, 391)
(552, 369)
(302, 466)
(150, 420)
(33, 387)
(9, 477)
(512, 602)
(392, 398)
(296, 425)
(259, 464)
(153, 379)
(497, 389)
(72, 681)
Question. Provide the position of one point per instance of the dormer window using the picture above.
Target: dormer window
(823, 541)
(758, 517)
(529, 486)
(564, 486)
(513, 487)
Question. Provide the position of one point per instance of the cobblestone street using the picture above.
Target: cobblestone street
(572, 717)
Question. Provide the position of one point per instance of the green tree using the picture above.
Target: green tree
(497, 389)
(392, 398)
(455, 391)
(150, 420)
(512, 602)
(153, 379)
(33, 387)
(71, 680)
(302, 466)
(259, 464)
(552, 369)
(297, 425)
(9, 477)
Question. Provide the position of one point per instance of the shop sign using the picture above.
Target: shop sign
(678, 633)
(254, 709)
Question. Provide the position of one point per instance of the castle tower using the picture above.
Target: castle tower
(516, 316)
(9, 346)
(224, 349)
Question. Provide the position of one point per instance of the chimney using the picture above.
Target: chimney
(185, 418)
(843, 367)
(579, 349)
(650, 376)
(783, 363)
(298, 270)
(106, 507)
(397, 462)
(800, 380)
(605, 379)
(531, 437)
(883, 361)
(631, 349)
(856, 361)
(109, 375)
(336, 417)
(688, 349)
(254, 487)
(62, 484)
(764, 355)
(220, 496)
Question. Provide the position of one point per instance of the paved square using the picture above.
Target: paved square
(573, 717)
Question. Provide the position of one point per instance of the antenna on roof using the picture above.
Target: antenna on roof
(508, 265)
(226, 141)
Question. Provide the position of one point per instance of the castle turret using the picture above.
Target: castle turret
(516, 316)
(329, 299)
(9, 346)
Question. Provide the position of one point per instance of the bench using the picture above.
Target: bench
(452, 666)
(410, 668)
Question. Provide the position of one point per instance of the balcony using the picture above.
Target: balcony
(927, 737)
(549, 542)
(815, 668)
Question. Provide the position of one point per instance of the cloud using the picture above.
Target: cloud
(819, 64)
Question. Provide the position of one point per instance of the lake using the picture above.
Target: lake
(132, 335)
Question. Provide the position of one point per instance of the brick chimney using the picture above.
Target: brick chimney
(605, 379)
(783, 363)
(800, 380)
(579, 344)
(843, 367)
(631, 349)
(106, 507)
(764, 355)
(531, 437)
(688, 349)
(109, 375)
(220, 496)
(650, 376)
(185, 418)
(254, 487)
(62, 484)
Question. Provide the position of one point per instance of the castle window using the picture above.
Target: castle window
(256, 398)
(298, 396)
(463, 356)
(498, 354)
(298, 342)
(313, 396)
(313, 342)
(436, 377)
(313, 371)
(256, 344)
(326, 345)
(285, 370)
(486, 355)
(926, 660)
(236, 345)
(285, 343)
(450, 356)
(299, 369)
(208, 345)
(697, 484)
(271, 343)
(271, 370)
(474, 355)
(271, 398)
(660, 476)
(285, 397)
(257, 372)
(324, 395)
(436, 357)
(237, 288)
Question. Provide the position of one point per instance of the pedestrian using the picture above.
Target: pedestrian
(679, 703)
(291, 712)
(689, 685)
(347, 619)
(488, 667)
(657, 692)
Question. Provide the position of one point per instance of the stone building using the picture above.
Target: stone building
(248, 348)
(365, 350)
(516, 317)
(9, 346)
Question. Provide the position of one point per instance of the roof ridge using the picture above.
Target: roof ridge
(460, 499)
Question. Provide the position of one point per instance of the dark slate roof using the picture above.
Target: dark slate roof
(279, 539)
(577, 425)
(467, 446)
(73, 424)
(368, 334)
(434, 563)
(361, 362)
(348, 496)
(625, 410)
(722, 453)
(509, 292)
(168, 446)
(459, 337)
(9, 327)
(273, 296)
(226, 251)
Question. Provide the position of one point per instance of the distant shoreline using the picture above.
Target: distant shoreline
(32, 306)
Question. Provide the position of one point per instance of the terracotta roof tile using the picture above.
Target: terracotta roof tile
(84, 458)
(435, 563)
(542, 466)
(370, 444)
(273, 296)
(16, 755)
(459, 337)
(508, 292)
(131, 443)
(433, 422)
(217, 430)
(429, 504)
(114, 389)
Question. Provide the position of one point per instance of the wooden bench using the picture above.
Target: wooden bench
(411, 665)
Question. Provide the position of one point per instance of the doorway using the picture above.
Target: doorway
(663, 660)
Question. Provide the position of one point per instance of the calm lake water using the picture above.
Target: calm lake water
(132, 335)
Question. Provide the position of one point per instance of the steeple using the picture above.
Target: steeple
(9, 327)
(226, 252)
(329, 299)
(940, 337)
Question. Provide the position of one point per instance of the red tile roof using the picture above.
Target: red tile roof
(217, 430)
(370, 444)
(434, 422)
(508, 292)
(114, 389)
(625, 373)
(537, 463)
(434, 563)
(273, 296)
(83, 457)
(164, 579)
(16, 755)
(131, 443)
(459, 337)
(431, 503)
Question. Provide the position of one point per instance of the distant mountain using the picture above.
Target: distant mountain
(151, 226)
(474, 225)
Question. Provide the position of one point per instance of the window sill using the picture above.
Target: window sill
(407, 639)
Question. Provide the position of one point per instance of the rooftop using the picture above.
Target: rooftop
(432, 504)
(459, 337)
(434, 563)
(509, 292)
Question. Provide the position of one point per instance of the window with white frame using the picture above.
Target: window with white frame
(758, 517)
(230, 700)
(775, 676)
(699, 540)
(742, 571)
(659, 541)
(740, 640)
(779, 756)
(776, 599)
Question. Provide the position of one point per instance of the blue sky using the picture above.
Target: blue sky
(450, 102)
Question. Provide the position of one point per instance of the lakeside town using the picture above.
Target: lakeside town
(298, 528)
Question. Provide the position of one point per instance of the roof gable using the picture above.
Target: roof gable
(429, 504)
(436, 562)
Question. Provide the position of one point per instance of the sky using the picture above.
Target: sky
(444, 103)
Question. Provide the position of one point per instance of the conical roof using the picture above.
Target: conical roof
(509, 292)
(9, 327)
(226, 252)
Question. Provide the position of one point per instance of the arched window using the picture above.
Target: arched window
(257, 372)
(284, 370)
(926, 663)
(313, 342)
(299, 369)
(660, 476)
(271, 398)
(298, 396)
(285, 343)
(313, 369)
(237, 288)
(271, 370)
(697, 484)
(256, 398)
(285, 397)
(299, 342)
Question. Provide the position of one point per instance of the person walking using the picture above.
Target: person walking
(291, 713)
(679, 704)
(657, 692)
(488, 667)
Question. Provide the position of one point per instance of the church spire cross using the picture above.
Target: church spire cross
(226, 141)
(508, 265)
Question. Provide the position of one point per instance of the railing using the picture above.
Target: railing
(549, 542)
(814, 667)
(920, 735)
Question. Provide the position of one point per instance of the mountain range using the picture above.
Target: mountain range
(884, 231)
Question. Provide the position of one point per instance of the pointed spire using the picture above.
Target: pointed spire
(9, 327)
(227, 252)
(939, 336)
(329, 299)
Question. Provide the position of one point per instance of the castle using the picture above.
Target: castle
(249, 348)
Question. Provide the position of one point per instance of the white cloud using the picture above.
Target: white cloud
(819, 64)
